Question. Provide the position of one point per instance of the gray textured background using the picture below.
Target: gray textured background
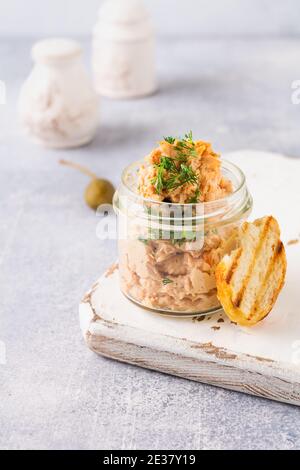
(55, 394)
(171, 17)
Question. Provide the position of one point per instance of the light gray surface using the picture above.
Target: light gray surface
(203, 17)
(55, 394)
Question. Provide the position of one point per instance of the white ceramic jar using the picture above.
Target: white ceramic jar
(123, 50)
(58, 105)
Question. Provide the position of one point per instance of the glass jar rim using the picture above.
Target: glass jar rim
(225, 164)
(217, 212)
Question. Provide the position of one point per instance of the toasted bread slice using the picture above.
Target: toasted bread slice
(251, 277)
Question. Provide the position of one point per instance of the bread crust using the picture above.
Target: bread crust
(272, 275)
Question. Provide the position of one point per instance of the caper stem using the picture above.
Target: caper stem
(81, 168)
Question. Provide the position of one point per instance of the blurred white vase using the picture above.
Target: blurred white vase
(123, 50)
(58, 106)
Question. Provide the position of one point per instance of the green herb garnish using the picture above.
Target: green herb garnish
(189, 137)
(186, 146)
(174, 172)
(166, 281)
(166, 163)
(158, 181)
(170, 140)
(183, 175)
(178, 174)
(194, 199)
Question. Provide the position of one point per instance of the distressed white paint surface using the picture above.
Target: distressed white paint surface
(270, 347)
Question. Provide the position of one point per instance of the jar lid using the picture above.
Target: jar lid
(123, 11)
(55, 49)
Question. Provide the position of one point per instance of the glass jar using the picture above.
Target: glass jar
(168, 252)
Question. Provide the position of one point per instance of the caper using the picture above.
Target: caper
(99, 192)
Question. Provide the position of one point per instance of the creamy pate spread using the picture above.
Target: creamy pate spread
(170, 274)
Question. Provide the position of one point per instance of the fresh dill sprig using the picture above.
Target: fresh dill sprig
(194, 199)
(178, 176)
(185, 175)
(166, 163)
(170, 140)
(186, 148)
(175, 172)
(158, 181)
(189, 137)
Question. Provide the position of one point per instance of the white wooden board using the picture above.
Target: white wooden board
(262, 360)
